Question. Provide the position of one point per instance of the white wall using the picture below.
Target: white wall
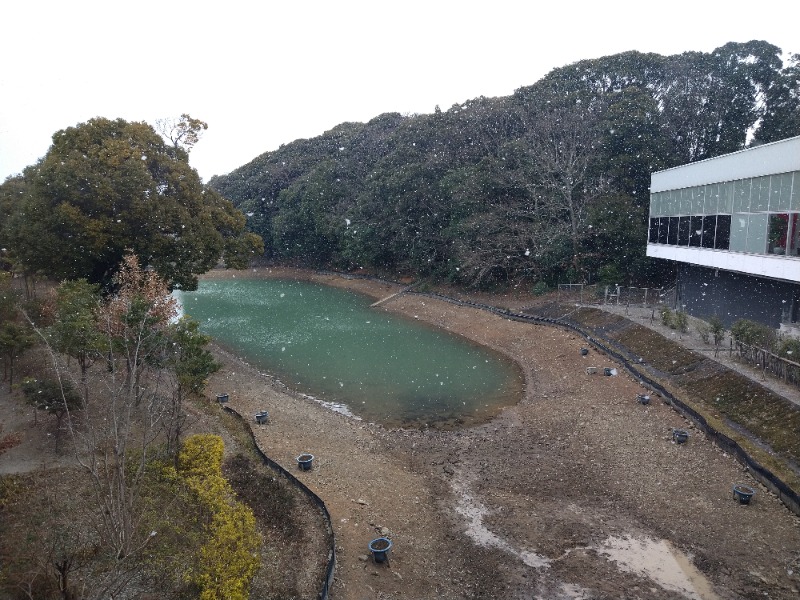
(786, 268)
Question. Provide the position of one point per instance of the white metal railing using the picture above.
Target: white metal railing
(580, 293)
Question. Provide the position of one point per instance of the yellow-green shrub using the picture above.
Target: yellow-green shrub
(201, 455)
(229, 559)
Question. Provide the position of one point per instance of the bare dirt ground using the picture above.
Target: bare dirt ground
(576, 492)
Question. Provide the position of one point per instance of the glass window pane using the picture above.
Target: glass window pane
(778, 233)
(663, 204)
(712, 193)
(709, 226)
(660, 203)
(775, 193)
(653, 235)
(686, 201)
(683, 231)
(759, 196)
(785, 200)
(673, 199)
(741, 196)
(723, 237)
(725, 202)
(794, 234)
(698, 200)
(696, 231)
(653, 204)
(795, 202)
(757, 233)
(672, 234)
(739, 232)
(663, 229)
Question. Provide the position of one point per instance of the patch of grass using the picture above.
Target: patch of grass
(263, 491)
(767, 415)
(294, 536)
(594, 318)
(658, 351)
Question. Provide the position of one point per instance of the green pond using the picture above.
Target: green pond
(328, 343)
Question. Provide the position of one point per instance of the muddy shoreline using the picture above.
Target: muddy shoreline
(577, 491)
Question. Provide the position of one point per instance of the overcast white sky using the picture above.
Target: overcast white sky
(262, 74)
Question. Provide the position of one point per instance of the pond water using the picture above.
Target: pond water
(330, 344)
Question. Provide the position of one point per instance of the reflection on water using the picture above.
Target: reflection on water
(328, 342)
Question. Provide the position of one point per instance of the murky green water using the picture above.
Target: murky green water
(329, 343)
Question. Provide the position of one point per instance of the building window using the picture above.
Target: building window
(684, 224)
(672, 235)
(663, 229)
(709, 226)
(778, 235)
(695, 231)
(757, 234)
(723, 238)
(653, 236)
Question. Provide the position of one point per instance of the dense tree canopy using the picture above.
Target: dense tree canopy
(106, 187)
(551, 183)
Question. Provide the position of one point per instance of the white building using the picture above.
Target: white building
(731, 223)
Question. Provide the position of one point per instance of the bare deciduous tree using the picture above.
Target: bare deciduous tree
(562, 139)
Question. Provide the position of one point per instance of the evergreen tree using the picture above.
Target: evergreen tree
(107, 187)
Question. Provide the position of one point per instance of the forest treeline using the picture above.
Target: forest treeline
(550, 184)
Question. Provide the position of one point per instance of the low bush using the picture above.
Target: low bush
(754, 334)
(540, 288)
(789, 348)
(681, 322)
(229, 558)
(717, 329)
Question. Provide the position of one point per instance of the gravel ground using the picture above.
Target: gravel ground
(577, 491)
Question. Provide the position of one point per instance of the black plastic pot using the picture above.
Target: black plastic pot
(743, 493)
(380, 549)
(222, 398)
(584, 351)
(262, 417)
(680, 435)
(304, 461)
(643, 398)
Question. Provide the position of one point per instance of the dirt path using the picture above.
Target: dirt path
(576, 492)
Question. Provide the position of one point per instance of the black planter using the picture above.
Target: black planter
(222, 398)
(584, 351)
(743, 493)
(262, 417)
(680, 436)
(304, 461)
(380, 549)
(643, 398)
